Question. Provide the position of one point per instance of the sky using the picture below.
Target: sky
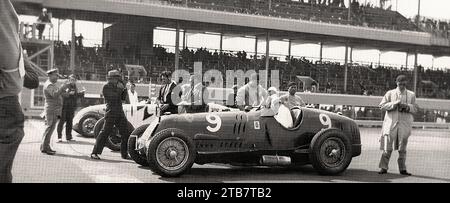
(438, 9)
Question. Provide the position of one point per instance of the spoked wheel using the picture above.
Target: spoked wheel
(331, 152)
(87, 124)
(171, 153)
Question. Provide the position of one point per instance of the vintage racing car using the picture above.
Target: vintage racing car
(138, 115)
(170, 145)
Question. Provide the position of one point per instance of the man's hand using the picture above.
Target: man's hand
(164, 107)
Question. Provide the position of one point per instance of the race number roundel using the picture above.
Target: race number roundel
(325, 120)
(215, 122)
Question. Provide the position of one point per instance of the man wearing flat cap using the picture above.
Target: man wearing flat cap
(52, 109)
(400, 105)
(114, 92)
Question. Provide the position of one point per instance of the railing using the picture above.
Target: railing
(29, 31)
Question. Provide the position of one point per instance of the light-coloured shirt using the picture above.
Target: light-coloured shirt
(256, 95)
(53, 99)
(292, 101)
(133, 97)
(11, 56)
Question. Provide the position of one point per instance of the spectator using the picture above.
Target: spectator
(42, 20)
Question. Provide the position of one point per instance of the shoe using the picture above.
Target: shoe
(382, 171)
(48, 152)
(60, 140)
(405, 173)
(95, 157)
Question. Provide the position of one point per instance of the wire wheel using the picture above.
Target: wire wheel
(172, 153)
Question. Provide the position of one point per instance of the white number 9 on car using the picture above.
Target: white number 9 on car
(325, 120)
(213, 120)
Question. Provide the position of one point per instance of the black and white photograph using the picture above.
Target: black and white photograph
(224, 91)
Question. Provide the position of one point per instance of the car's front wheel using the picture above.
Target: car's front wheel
(171, 153)
(330, 152)
(138, 157)
(87, 124)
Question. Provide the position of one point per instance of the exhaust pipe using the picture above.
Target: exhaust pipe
(268, 160)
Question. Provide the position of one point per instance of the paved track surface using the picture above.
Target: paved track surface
(428, 160)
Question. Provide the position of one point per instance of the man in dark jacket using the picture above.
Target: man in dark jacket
(167, 94)
(114, 92)
(42, 20)
(68, 108)
(13, 75)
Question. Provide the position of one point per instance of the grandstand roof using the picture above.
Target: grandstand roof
(235, 24)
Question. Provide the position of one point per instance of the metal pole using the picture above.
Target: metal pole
(58, 28)
(351, 54)
(177, 47)
(418, 14)
(221, 42)
(270, 5)
(72, 47)
(290, 49)
(267, 57)
(379, 59)
(346, 68)
(321, 52)
(256, 48)
(407, 57)
(184, 39)
(415, 71)
(349, 10)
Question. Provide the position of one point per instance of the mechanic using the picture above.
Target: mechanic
(14, 72)
(272, 103)
(133, 97)
(194, 96)
(231, 100)
(114, 92)
(69, 104)
(167, 94)
(400, 105)
(250, 95)
(52, 108)
(292, 100)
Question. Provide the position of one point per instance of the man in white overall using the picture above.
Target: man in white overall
(400, 105)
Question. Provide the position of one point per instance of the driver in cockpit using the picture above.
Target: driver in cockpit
(289, 101)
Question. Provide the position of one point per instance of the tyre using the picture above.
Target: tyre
(330, 152)
(171, 153)
(114, 140)
(138, 157)
(87, 124)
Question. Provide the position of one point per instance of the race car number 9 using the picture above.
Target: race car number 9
(213, 120)
(325, 120)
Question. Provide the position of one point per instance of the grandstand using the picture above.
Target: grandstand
(329, 22)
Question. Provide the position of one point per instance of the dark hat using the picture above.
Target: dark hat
(114, 73)
(52, 71)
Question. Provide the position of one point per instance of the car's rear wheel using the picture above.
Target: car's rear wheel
(171, 153)
(114, 140)
(137, 156)
(87, 124)
(330, 152)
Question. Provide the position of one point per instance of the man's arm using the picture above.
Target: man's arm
(386, 103)
(31, 78)
(413, 107)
